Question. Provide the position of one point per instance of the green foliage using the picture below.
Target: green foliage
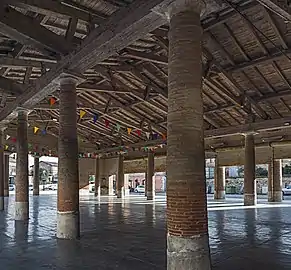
(261, 172)
(287, 170)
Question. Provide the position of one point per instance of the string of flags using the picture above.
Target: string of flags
(107, 123)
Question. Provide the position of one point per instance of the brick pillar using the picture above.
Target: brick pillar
(187, 238)
(2, 174)
(21, 183)
(36, 177)
(270, 182)
(120, 177)
(97, 177)
(68, 168)
(219, 182)
(250, 194)
(150, 176)
(277, 180)
(6, 175)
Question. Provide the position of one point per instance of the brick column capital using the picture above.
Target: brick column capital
(197, 6)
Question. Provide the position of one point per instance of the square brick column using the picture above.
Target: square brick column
(36, 176)
(275, 181)
(120, 178)
(97, 177)
(68, 226)
(6, 175)
(187, 238)
(150, 176)
(21, 182)
(2, 173)
(250, 193)
(219, 181)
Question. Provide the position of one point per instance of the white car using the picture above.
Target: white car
(286, 190)
(140, 189)
(53, 187)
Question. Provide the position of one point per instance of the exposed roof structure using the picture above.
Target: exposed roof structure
(119, 50)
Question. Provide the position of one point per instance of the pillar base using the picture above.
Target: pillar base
(277, 196)
(97, 191)
(36, 193)
(1, 203)
(150, 195)
(218, 195)
(270, 197)
(21, 211)
(68, 226)
(188, 253)
(6, 193)
(250, 199)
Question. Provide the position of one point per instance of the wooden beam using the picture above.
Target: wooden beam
(58, 9)
(30, 32)
(86, 87)
(10, 86)
(147, 57)
(278, 123)
(279, 7)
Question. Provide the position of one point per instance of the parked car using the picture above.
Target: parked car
(11, 187)
(286, 190)
(53, 187)
(140, 189)
(92, 187)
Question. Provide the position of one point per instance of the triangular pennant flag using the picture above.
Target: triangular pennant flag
(35, 129)
(118, 127)
(148, 135)
(82, 114)
(129, 130)
(155, 136)
(52, 101)
(7, 137)
(13, 140)
(106, 123)
(6, 147)
(95, 118)
(43, 132)
(29, 145)
(164, 137)
(138, 132)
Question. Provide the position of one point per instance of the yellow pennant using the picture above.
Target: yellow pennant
(6, 147)
(129, 130)
(82, 114)
(35, 129)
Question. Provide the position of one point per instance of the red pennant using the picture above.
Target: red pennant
(164, 137)
(52, 101)
(13, 140)
(138, 132)
(106, 123)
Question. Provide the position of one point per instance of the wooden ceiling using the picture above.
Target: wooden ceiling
(120, 48)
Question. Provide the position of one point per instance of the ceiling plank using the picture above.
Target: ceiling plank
(31, 33)
(10, 86)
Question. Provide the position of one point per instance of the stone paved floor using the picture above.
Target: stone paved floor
(131, 235)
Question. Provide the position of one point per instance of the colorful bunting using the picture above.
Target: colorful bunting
(6, 147)
(13, 140)
(138, 132)
(43, 132)
(95, 118)
(52, 101)
(155, 136)
(118, 127)
(148, 135)
(164, 137)
(106, 123)
(129, 130)
(7, 137)
(35, 130)
(82, 114)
